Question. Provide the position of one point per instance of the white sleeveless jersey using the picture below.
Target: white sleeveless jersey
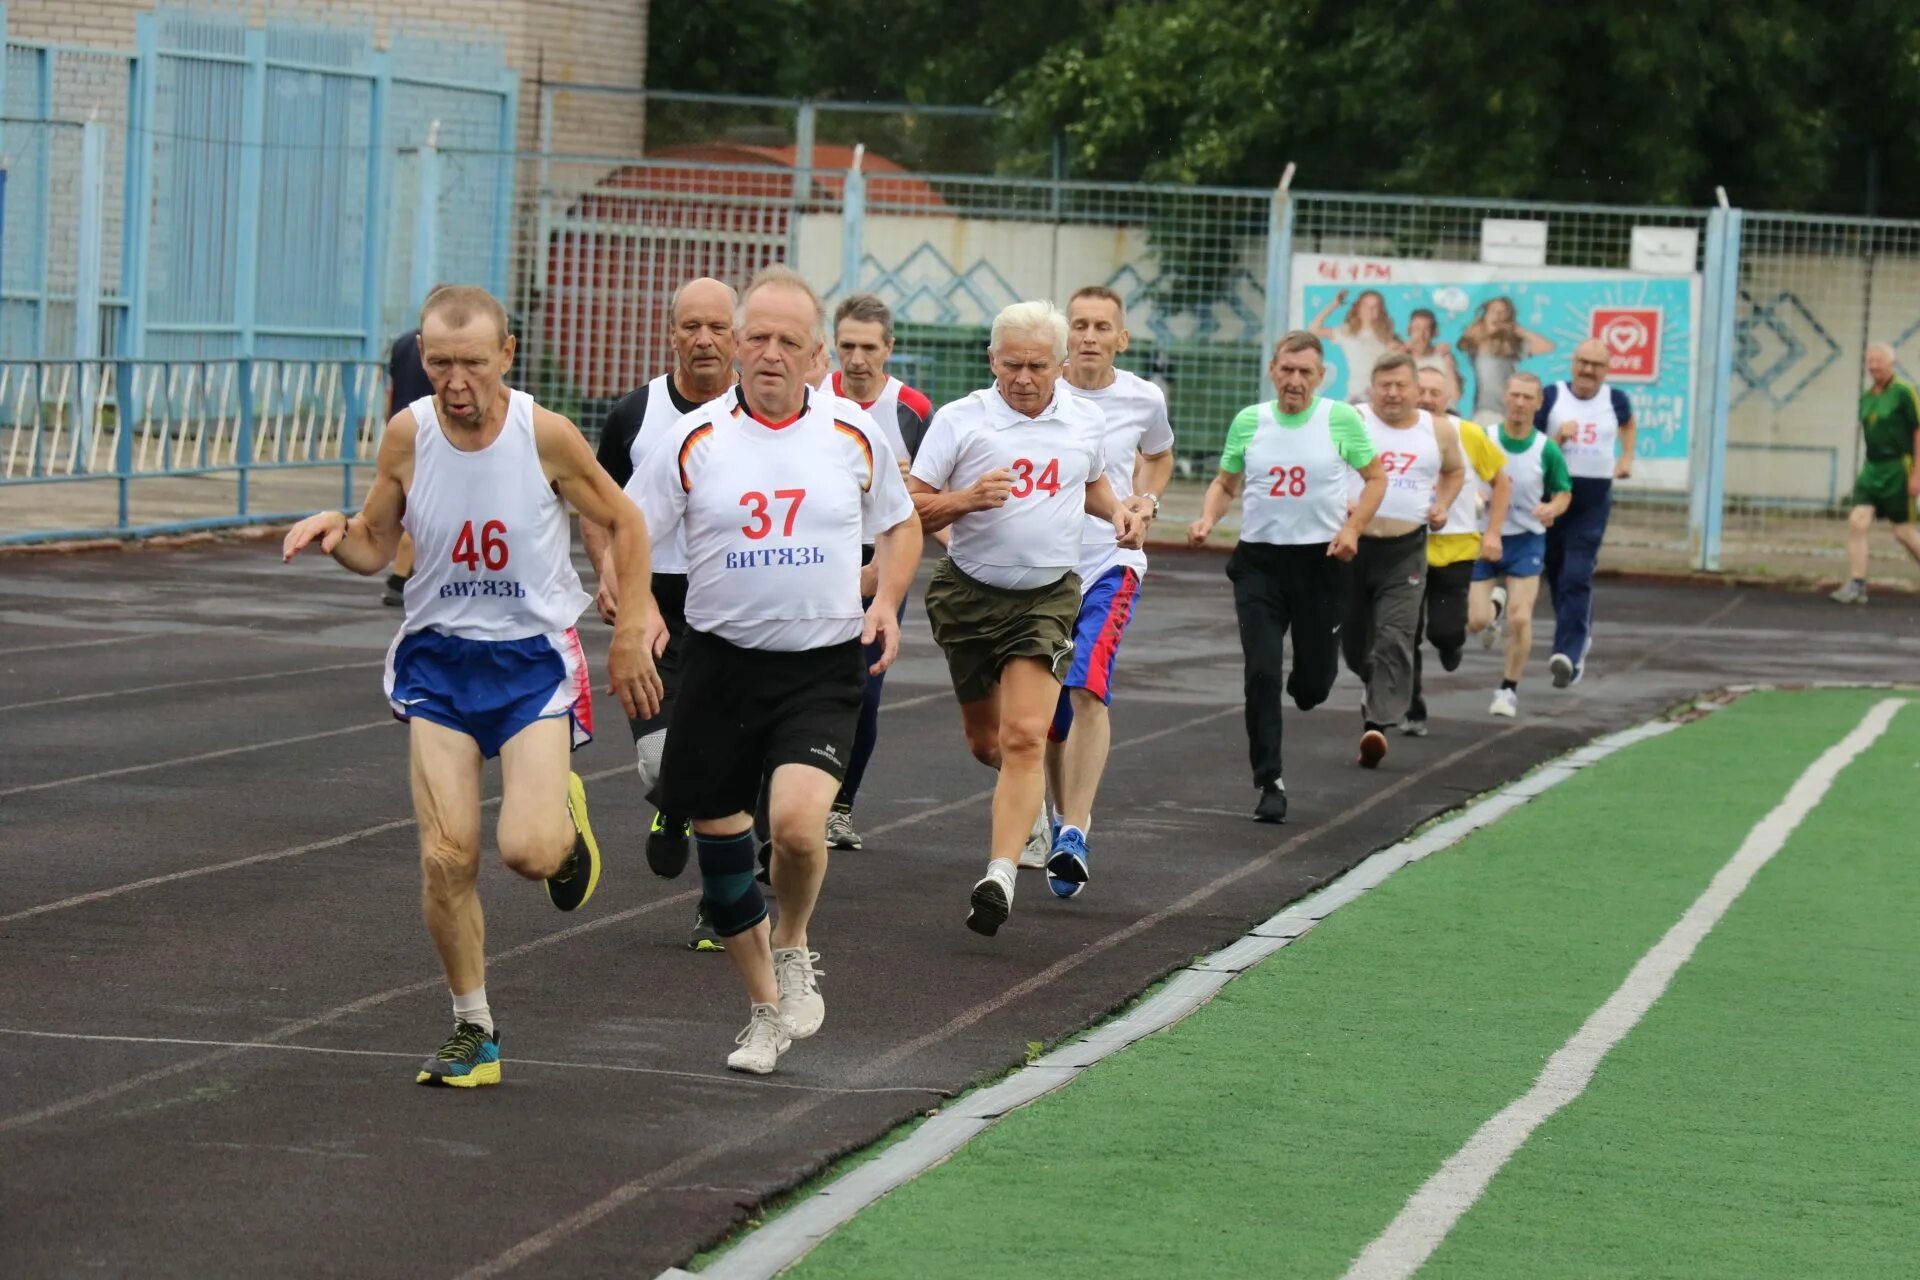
(1589, 448)
(1464, 516)
(669, 555)
(1411, 458)
(1297, 484)
(775, 517)
(1529, 472)
(492, 542)
(885, 412)
(1035, 537)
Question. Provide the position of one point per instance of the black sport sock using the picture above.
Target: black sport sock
(397, 582)
(1510, 684)
(1375, 728)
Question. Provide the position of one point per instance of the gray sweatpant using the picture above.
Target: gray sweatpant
(1383, 613)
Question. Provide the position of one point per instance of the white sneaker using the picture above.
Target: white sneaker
(840, 832)
(992, 900)
(1033, 856)
(1562, 669)
(762, 1043)
(1506, 703)
(1850, 592)
(800, 1003)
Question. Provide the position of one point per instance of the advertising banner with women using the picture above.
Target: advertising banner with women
(1487, 321)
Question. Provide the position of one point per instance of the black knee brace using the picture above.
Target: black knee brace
(733, 899)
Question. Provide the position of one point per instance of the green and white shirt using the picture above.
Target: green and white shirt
(1297, 468)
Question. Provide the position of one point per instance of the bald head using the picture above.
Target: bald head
(1880, 363)
(703, 338)
(1590, 361)
(1439, 389)
(703, 293)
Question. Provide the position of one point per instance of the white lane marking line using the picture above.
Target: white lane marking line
(1410, 1239)
(713, 1077)
(627, 1192)
(287, 1031)
(291, 1029)
(70, 644)
(187, 684)
(276, 855)
(783, 1242)
(193, 759)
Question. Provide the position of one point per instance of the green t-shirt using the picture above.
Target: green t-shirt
(1888, 419)
(1553, 464)
(1343, 422)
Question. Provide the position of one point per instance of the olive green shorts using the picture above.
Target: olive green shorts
(981, 628)
(1882, 485)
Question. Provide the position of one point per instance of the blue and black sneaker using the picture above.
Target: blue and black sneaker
(1067, 872)
(469, 1059)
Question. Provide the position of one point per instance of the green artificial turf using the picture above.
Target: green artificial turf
(1281, 1127)
(1764, 1117)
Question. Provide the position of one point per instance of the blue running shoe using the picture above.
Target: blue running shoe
(469, 1058)
(1067, 872)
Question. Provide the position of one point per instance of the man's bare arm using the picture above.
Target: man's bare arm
(1453, 466)
(365, 543)
(585, 486)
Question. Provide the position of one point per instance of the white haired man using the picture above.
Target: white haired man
(1012, 470)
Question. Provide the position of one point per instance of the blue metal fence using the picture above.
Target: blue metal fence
(124, 423)
(242, 196)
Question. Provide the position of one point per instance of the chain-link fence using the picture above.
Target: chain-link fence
(947, 252)
(1743, 377)
(1488, 288)
(1814, 293)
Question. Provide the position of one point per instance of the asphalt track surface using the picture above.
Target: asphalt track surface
(215, 987)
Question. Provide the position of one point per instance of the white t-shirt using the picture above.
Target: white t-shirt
(1136, 414)
(1411, 458)
(492, 542)
(1035, 537)
(775, 517)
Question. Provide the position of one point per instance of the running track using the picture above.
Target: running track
(214, 985)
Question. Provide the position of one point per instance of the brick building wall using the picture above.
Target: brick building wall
(583, 41)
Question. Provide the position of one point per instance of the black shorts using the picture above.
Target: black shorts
(670, 593)
(742, 713)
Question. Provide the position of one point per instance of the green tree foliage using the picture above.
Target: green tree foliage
(1781, 101)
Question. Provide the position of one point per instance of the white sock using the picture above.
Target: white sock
(472, 1007)
(647, 754)
(1003, 870)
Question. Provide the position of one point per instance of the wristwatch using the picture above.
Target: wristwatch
(1154, 498)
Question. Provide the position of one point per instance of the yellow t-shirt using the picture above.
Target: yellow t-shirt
(1484, 459)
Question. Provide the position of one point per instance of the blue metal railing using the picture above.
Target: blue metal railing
(120, 422)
